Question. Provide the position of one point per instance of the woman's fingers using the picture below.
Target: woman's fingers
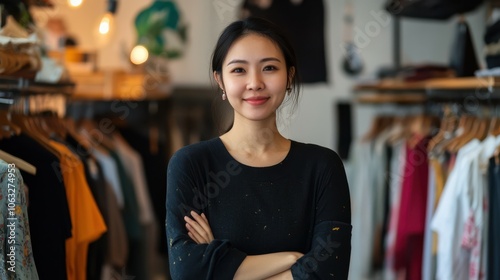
(203, 222)
(195, 239)
(197, 231)
(199, 228)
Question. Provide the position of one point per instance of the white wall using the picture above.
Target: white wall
(422, 41)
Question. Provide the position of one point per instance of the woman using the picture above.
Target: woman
(252, 204)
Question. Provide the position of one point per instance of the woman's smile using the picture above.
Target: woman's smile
(256, 100)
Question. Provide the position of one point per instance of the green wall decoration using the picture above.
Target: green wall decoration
(161, 30)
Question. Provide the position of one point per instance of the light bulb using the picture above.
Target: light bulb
(139, 55)
(106, 24)
(75, 3)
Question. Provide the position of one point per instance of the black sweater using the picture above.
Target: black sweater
(301, 204)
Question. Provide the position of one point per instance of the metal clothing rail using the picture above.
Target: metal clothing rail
(12, 87)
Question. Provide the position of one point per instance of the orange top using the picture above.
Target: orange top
(86, 219)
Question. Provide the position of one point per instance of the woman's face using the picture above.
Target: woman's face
(254, 77)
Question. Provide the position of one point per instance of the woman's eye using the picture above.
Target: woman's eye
(269, 68)
(238, 70)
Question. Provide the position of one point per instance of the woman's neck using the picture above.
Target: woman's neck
(255, 137)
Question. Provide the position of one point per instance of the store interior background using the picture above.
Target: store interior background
(316, 120)
(422, 41)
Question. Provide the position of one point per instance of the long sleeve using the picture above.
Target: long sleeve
(329, 254)
(188, 260)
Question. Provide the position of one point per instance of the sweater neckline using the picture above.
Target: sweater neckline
(259, 168)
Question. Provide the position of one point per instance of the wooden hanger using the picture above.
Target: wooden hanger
(54, 123)
(19, 163)
(495, 131)
(474, 130)
(71, 130)
(7, 128)
(397, 131)
(23, 122)
(483, 131)
(421, 127)
(464, 126)
(98, 137)
(446, 128)
(378, 125)
(492, 125)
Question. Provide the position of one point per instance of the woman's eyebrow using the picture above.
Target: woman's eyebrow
(246, 62)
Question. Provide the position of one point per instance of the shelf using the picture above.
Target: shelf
(473, 89)
(15, 86)
(375, 98)
(111, 85)
(391, 85)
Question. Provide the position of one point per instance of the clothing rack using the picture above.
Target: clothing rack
(465, 110)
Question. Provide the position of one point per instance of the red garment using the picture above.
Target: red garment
(412, 211)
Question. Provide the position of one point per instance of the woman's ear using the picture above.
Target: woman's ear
(291, 75)
(218, 79)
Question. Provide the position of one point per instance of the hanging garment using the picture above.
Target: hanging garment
(427, 265)
(366, 173)
(493, 260)
(396, 179)
(344, 128)
(110, 172)
(304, 23)
(88, 223)
(412, 212)
(450, 216)
(474, 235)
(47, 198)
(132, 163)
(93, 174)
(156, 174)
(431, 9)
(136, 262)
(16, 254)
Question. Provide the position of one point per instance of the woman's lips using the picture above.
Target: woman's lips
(256, 100)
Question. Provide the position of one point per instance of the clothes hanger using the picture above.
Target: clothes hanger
(19, 163)
(464, 127)
(483, 129)
(473, 132)
(7, 128)
(52, 121)
(397, 130)
(71, 130)
(492, 124)
(97, 136)
(380, 123)
(421, 127)
(495, 126)
(444, 129)
(22, 120)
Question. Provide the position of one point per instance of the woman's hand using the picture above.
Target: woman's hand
(198, 228)
(285, 275)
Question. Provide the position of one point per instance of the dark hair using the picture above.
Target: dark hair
(262, 27)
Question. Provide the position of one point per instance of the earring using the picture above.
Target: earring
(223, 95)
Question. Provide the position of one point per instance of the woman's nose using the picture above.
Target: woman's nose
(255, 82)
